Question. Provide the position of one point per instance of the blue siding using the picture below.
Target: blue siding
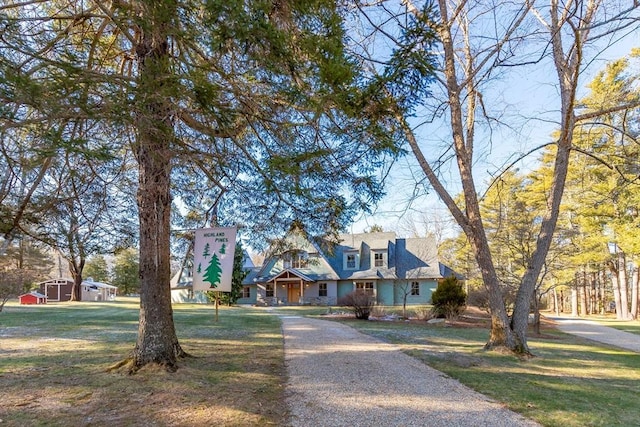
(344, 288)
(253, 296)
(385, 293)
(426, 289)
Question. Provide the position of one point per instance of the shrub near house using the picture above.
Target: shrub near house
(449, 299)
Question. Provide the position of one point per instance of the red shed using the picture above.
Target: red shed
(33, 298)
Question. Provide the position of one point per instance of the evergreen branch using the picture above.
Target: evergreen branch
(605, 111)
(608, 165)
(521, 157)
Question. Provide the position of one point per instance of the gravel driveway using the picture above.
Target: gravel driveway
(340, 377)
(597, 332)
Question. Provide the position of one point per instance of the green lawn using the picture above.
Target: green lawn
(628, 326)
(53, 361)
(570, 382)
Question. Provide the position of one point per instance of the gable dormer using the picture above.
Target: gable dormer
(379, 258)
(295, 259)
(351, 260)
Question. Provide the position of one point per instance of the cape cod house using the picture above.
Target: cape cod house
(311, 272)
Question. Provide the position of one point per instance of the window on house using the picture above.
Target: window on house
(351, 261)
(269, 290)
(322, 289)
(299, 260)
(415, 288)
(379, 259)
(295, 260)
(246, 292)
(364, 287)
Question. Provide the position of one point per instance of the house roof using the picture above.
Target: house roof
(58, 281)
(251, 276)
(98, 284)
(414, 258)
(446, 271)
(317, 267)
(418, 258)
(291, 271)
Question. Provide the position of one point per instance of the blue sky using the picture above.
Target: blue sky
(530, 98)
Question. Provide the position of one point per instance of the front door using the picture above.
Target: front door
(293, 295)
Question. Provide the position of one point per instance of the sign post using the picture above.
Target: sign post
(213, 255)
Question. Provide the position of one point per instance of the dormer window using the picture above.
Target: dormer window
(299, 260)
(380, 259)
(296, 259)
(351, 261)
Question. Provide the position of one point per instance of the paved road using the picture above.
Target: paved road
(597, 332)
(341, 377)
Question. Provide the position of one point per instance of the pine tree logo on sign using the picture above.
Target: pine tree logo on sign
(213, 257)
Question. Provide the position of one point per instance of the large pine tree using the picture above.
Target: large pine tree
(254, 101)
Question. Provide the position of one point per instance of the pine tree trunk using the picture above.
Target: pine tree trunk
(593, 293)
(623, 284)
(602, 293)
(157, 340)
(583, 295)
(574, 302)
(613, 268)
(634, 293)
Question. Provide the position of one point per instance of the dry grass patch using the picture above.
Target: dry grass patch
(571, 382)
(53, 363)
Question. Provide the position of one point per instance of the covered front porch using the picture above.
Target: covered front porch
(287, 288)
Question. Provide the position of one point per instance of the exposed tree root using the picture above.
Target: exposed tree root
(181, 354)
(122, 365)
(503, 349)
(131, 364)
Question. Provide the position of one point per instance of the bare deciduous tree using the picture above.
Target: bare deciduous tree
(477, 42)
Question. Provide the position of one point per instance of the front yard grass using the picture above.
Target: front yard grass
(626, 326)
(569, 382)
(53, 359)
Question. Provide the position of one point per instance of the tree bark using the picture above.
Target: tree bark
(584, 311)
(624, 287)
(536, 315)
(157, 340)
(615, 281)
(75, 268)
(634, 292)
(574, 301)
(568, 59)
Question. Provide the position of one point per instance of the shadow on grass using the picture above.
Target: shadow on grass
(569, 382)
(53, 361)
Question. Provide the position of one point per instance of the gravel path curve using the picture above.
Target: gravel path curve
(596, 332)
(341, 377)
